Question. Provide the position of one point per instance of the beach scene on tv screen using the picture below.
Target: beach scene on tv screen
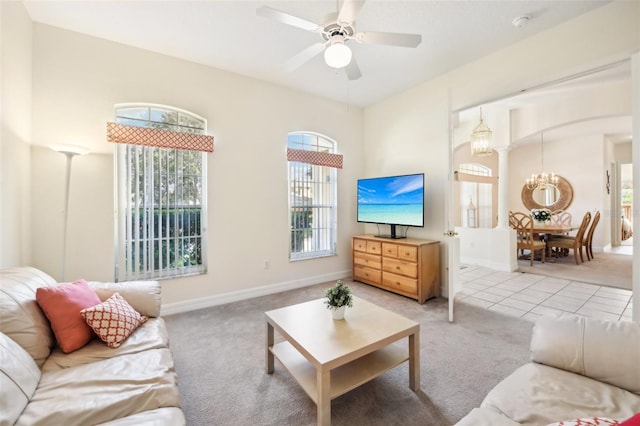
(393, 200)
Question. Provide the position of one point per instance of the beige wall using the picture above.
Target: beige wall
(78, 79)
(15, 137)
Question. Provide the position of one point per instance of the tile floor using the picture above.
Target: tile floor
(529, 296)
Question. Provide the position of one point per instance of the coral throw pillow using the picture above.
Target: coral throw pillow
(113, 320)
(62, 306)
(633, 421)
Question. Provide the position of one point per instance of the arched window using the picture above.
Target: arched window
(475, 169)
(312, 196)
(160, 191)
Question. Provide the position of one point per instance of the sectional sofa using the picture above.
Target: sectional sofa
(132, 383)
(582, 372)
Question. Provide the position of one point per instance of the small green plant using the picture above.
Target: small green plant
(339, 295)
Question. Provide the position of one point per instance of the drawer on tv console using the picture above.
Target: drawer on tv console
(365, 259)
(367, 275)
(400, 283)
(409, 269)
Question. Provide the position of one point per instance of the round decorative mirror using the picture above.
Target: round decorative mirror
(552, 196)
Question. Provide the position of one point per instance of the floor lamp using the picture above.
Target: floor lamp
(69, 151)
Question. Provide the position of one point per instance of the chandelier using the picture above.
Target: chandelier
(481, 139)
(542, 179)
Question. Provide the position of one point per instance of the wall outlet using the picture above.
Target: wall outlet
(266, 264)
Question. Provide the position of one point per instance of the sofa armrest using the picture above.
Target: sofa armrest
(607, 351)
(143, 296)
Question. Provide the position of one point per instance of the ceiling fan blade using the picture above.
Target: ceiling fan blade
(353, 70)
(349, 10)
(285, 18)
(304, 56)
(391, 39)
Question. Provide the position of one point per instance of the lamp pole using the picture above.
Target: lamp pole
(67, 184)
(69, 152)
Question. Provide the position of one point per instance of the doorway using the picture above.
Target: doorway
(626, 209)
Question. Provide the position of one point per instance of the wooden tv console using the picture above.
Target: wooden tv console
(407, 266)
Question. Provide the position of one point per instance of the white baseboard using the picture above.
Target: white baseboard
(496, 266)
(234, 296)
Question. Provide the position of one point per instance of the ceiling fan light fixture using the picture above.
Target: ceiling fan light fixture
(337, 55)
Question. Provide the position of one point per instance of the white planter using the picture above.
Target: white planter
(338, 313)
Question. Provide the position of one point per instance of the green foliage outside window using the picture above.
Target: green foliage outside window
(301, 223)
(177, 242)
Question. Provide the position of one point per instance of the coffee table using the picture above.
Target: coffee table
(330, 357)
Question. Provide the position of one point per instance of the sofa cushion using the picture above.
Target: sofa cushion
(19, 376)
(62, 306)
(485, 417)
(113, 320)
(170, 416)
(20, 316)
(104, 391)
(537, 394)
(607, 351)
(144, 296)
(150, 335)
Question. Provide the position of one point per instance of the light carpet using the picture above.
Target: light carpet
(608, 269)
(220, 355)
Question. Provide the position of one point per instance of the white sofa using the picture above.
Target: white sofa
(133, 384)
(580, 368)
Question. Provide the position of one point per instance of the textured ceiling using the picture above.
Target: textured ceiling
(230, 36)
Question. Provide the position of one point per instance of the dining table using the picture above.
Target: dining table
(552, 229)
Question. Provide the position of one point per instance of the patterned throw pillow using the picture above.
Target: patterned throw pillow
(587, 421)
(113, 320)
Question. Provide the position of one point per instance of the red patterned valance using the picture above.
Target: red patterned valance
(120, 133)
(315, 157)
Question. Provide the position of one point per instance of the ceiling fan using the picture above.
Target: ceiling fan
(337, 30)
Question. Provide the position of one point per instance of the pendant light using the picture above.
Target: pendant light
(481, 144)
(542, 179)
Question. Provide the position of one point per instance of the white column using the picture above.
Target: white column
(503, 187)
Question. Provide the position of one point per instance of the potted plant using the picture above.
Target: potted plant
(338, 298)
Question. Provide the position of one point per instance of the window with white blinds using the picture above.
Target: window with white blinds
(160, 197)
(312, 198)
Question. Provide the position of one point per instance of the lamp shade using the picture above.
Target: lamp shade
(338, 55)
(70, 149)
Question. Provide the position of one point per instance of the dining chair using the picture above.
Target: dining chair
(572, 242)
(512, 220)
(513, 224)
(523, 224)
(587, 241)
(561, 217)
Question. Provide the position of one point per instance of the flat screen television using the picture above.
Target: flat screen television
(392, 200)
